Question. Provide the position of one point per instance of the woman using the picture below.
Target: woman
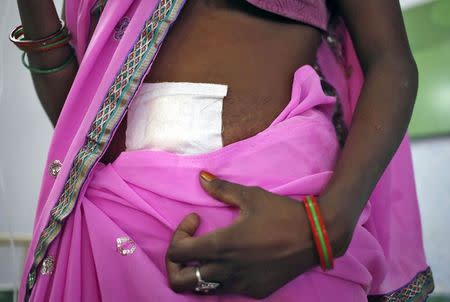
(116, 188)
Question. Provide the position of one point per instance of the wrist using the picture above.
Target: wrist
(339, 224)
(345, 201)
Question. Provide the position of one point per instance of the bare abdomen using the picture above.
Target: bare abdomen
(231, 42)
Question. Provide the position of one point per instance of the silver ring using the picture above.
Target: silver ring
(203, 286)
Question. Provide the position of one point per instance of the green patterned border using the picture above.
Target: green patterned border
(100, 133)
(417, 290)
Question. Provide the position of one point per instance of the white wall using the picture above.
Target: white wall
(410, 3)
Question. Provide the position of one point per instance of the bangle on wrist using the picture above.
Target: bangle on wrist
(320, 233)
(49, 70)
(57, 39)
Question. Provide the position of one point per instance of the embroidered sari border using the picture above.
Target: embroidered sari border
(417, 290)
(113, 108)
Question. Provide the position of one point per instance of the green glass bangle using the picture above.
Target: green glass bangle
(319, 231)
(48, 70)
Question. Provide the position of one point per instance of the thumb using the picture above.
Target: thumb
(227, 192)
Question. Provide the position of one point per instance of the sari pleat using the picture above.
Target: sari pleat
(143, 195)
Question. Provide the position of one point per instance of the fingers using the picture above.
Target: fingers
(185, 248)
(215, 245)
(228, 192)
(187, 227)
(184, 279)
(212, 246)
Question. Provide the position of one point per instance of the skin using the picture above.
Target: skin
(258, 73)
(39, 19)
(254, 263)
(256, 53)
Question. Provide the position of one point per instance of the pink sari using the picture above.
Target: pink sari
(142, 196)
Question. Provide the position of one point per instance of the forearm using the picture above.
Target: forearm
(378, 127)
(40, 19)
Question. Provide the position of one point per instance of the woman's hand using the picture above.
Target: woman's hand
(269, 244)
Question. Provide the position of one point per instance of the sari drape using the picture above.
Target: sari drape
(84, 209)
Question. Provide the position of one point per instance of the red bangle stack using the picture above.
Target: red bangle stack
(58, 39)
(319, 231)
(55, 40)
